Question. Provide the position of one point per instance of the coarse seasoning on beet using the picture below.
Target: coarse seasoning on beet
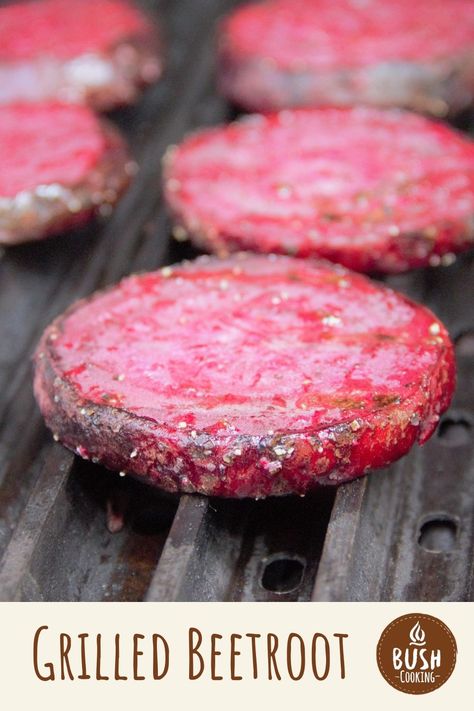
(244, 377)
(292, 53)
(99, 52)
(376, 190)
(59, 165)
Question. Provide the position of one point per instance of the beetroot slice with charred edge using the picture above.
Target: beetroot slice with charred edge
(250, 376)
(97, 52)
(375, 190)
(294, 53)
(59, 164)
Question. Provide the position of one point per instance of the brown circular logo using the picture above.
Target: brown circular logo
(416, 653)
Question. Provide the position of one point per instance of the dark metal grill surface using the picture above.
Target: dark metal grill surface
(403, 534)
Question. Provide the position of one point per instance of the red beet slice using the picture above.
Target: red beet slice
(290, 53)
(59, 164)
(251, 376)
(371, 189)
(99, 52)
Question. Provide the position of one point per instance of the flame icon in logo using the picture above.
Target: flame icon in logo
(417, 636)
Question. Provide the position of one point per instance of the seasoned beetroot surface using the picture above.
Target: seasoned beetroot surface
(58, 164)
(375, 190)
(47, 144)
(250, 376)
(65, 28)
(286, 53)
(87, 51)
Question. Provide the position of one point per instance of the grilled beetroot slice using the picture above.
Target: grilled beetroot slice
(59, 164)
(293, 53)
(99, 52)
(251, 376)
(375, 190)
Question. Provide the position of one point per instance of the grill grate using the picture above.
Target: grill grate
(403, 535)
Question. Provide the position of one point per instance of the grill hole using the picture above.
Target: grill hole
(455, 431)
(438, 534)
(283, 574)
(465, 344)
